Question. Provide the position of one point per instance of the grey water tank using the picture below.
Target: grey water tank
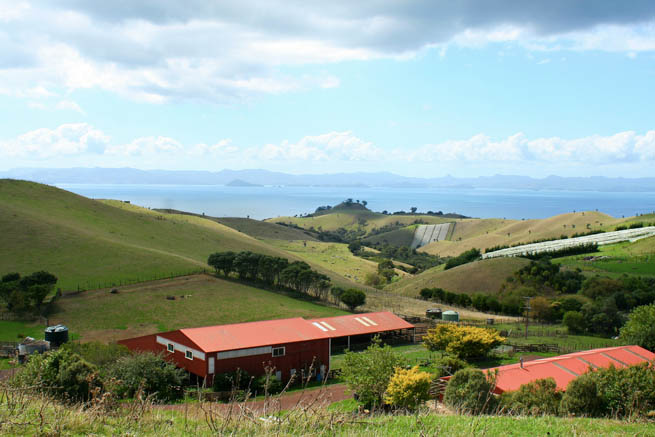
(56, 335)
(450, 316)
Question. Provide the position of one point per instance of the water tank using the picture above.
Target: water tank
(433, 313)
(56, 335)
(450, 316)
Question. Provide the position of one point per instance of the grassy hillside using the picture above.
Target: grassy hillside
(485, 233)
(199, 300)
(614, 260)
(357, 219)
(484, 276)
(399, 237)
(262, 229)
(85, 241)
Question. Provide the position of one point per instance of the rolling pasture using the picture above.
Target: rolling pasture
(200, 300)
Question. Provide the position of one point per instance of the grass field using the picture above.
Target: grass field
(485, 233)
(399, 237)
(144, 309)
(264, 230)
(16, 330)
(636, 258)
(484, 276)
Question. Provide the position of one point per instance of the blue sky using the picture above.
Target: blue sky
(416, 88)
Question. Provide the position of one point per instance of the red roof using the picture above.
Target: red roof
(358, 324)
(565, 368)
(253, 334)
(274, 332)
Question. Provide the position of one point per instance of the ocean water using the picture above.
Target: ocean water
(267, 202)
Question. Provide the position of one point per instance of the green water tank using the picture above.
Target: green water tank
(450, 316)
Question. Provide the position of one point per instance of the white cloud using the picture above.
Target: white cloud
(147, 146)
(333, 146)
(69, 105)
(229, 51)
(67, 139)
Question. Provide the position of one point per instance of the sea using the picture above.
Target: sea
(274, 201)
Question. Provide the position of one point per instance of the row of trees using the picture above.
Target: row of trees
(277, 271)
(26, 294)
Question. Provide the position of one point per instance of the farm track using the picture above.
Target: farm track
(426, 234)
(630, 235)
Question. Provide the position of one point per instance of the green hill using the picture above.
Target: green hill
(398, 237)
(200, 300)
(88, 243)
(484, 276)
(262, 229)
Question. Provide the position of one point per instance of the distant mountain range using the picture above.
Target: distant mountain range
(253, 178)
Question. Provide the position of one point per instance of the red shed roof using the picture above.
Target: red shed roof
(275, 332)
(253, 334)
(565, 368)
(358, 324)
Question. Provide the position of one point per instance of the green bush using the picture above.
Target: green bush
(448, 365)
(353, 298)
(60, 373)
(535, 399)
(574, 321)
(268, 384)
(470, 391)
(463, 258)
(236, 380)
(640, 327)
(147, 372)
(612, 392)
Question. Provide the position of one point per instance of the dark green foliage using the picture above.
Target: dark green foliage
(543, 275)
(272, 271)
(640, 327)
(236, 380)
(148, 372)
(574, 321)
(426, 293)
(612, 392)
(448, 365)
(535, 399)
(463, 258)
(26, 294)
(470, 391)
(268, 384)
(566, 251)
(60, 373)
(420, 260)
(353, 298)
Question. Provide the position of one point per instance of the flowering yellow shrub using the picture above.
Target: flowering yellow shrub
(408, 388)
(462, 341)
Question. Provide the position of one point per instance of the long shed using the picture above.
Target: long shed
(286, 345)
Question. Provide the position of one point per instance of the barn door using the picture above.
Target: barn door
(211, 366)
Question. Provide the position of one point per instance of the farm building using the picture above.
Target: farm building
(288, 345)
(565, 368)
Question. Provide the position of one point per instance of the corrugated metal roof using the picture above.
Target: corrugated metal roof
(272, 332)
(253, 334)
(565, 368)
(358, 324)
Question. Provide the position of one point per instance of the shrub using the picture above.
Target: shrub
(368, 373)
(462, 341)
(268, 384)
(448, 365)
(640, 327)
(463, 258)
(353, 298)
(148, 372)
(408, 388)
(60, 373)
(99, 354)
(227, 381)
(574, 321)
(535, 398)
(426, 293)
(470, 391)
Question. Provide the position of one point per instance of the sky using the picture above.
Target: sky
(417, 88)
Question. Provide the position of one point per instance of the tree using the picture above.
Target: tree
(28, 292)
(336, 293)
(353, 298)
(462, 341)
(535, 398)
(222, 261)
(368, 373)
(408, 388)
(640, 327)
(148, 372)
(574, 321)
(413, 209)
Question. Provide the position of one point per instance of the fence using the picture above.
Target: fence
(129, 281)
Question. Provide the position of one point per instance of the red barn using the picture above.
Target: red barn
(565, 368)
(288, 345)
